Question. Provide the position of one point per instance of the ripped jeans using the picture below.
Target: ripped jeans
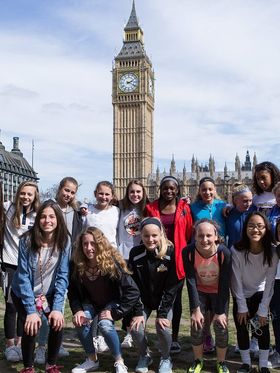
(107, 329)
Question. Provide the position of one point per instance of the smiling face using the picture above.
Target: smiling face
(88, 246)
(151, 236)
(168, 190)
(135, 194)
(207, 192)
(206, 237)
(48, 221)
(27, 196)
(103, 197)
(66, 194)
(264, 180)
(256, 229)
(243, 201)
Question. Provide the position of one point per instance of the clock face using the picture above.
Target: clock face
(151, 87)
(128, 82)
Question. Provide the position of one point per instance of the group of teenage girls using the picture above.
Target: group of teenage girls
(123, 260)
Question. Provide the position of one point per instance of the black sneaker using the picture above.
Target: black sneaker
(245, 368)
(264, 370)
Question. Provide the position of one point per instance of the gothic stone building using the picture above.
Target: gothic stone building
(133, 107)
(14, 169)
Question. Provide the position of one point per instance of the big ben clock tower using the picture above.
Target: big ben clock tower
(133, 106)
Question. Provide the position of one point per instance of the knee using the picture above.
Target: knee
(106, 326)
(221, 335)
(196, 336)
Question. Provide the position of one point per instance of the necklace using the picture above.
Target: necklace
(92, 273)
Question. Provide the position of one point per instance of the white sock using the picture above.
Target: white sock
(263, 358)
(245, 357)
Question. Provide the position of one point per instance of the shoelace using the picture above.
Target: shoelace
(54, 369)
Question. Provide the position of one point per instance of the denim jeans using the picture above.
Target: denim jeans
(164, 336)
(107, 329)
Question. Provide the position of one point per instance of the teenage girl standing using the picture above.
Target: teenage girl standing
(254, 264)
(19, 217)
(266, 175)
(66, 199)
(104, 215)
(132, 209)
(242, 206)
(40, 282)
(176, 218)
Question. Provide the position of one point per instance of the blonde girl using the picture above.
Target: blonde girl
(100, 286)
(154, 271)
(19, 217)
(242, 198)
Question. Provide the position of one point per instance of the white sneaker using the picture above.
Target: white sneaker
(274, 360)
(63, 352)
(120, 367)
(254, 347)
(165, 366)
(101, 344)
(11, 354)
(40, 355)
(127, 341)
(87, 366)
(18, 349)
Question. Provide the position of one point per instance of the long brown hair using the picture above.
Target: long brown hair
(68, 179)
(125, 203)
(60, 237)
(107, 256)
(18, 206)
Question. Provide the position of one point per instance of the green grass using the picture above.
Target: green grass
(180, 362)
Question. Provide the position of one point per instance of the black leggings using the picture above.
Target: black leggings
(242, 330)
(28, 342)
(177, 313)
(13, 327)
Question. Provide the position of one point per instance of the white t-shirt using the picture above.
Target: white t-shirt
(12, 234)
(106, 220)
(250, 276)
(264, 202)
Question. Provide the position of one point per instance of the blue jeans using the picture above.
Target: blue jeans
(107, 329)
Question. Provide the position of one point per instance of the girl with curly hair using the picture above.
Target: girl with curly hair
(100, 286)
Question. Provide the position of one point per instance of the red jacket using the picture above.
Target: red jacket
(182, 230)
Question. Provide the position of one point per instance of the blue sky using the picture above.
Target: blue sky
(217, 83)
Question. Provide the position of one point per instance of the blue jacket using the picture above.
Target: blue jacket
(273, 216)
(23, 280)
(213, 211)
(234, 224)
